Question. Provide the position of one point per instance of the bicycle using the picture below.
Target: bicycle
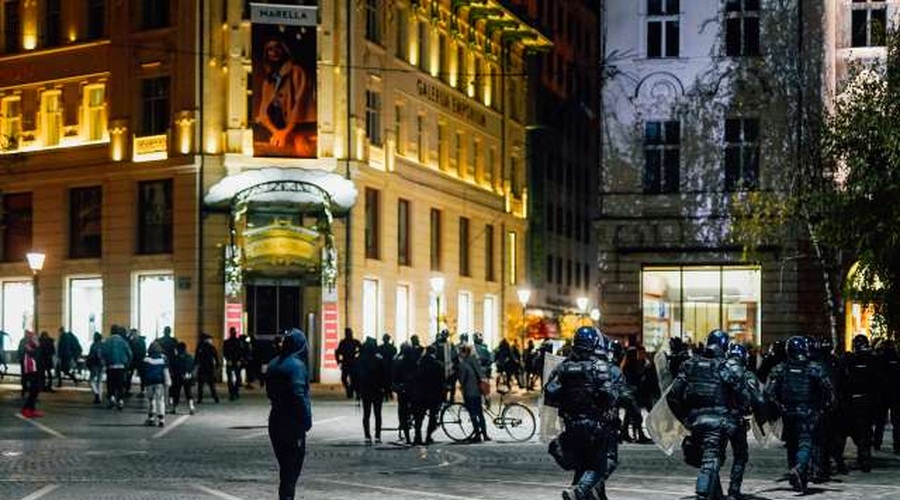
(515, 418)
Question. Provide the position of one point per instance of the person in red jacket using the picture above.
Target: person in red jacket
(31, 376)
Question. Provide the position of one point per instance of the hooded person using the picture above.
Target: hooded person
(290, 418)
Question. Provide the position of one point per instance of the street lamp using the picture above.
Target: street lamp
(36, 263)
(524, 295)
(437, 286)
(582, 303)
(595, 315)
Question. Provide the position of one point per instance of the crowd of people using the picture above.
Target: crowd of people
(813, 397)
(164, 373)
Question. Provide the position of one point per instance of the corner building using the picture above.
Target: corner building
(131, 162)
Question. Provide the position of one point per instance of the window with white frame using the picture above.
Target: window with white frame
(741, 154)
(373, 117)
(465, 322)
(663, 28)
(403, 318)
(94, 106)
(51, 117)
(371, 308)
(373, 21)
(154, 303)
(85, 311)
(868, 23)
(490, 325)
(18, 310)
(11, 124)
(399, 130)
(742, 28)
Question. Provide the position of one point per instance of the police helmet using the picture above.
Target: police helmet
(717, 342)
(586, 338)
(739, 352)
(778, 348)
(463, 338)
(478, 337)
(797, 348)
(860, 343)
(604, 345)
(443, 336)
(824, 345)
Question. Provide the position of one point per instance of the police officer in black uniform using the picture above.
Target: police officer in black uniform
(703, 397)
(828, 445)
(860, 383)
(586, 388)
(750, 401)
(802, 391)
(890, 363)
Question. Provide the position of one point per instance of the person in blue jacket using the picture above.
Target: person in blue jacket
(287, 385)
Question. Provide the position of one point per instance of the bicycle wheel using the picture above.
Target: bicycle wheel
(456, 422)
(518, 420)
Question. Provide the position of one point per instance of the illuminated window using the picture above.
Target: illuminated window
(403, 318)
(512, 257)
(424, 58)
(741, 154)
(12, 27)
(85, 228)
(373, 21)
(52, 23)
(373, 223)
(10, 122)
(94, 112)
(51, 117)
(371, 308)
(444, 58)
(154, 106)
(420, 139)
(404, 255)
(490, 326)
(464, 268)
(435, 238)
(868, 23)
(462, 69)
(662, 156)
(490, 166)
(85, 307)
(443, 146)
(96, 19)
(465, 312)
(399, 130)
(17, 310)
(373, 117)
(155, 217)
(475, 164)
(17, 220)
(478, 79)
(154, 303)
(662, 28)
(459, 151)
(742, 28)
(489, 253)
(402, 42)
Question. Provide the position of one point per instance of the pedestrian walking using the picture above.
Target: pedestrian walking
(749, 402)
(470, 379)
(68, 353)
(290, 418)
(345, 354)
(404, 379)
(208, 364)
(428, 394)
(138, 344)
(94, 364)
(860, 382)
(369, 385)
(388, 352)
(157, 380)
(31, 378)
(182, 378)
(3, 366)
(45, 361)
(233, 352)
(117, 357)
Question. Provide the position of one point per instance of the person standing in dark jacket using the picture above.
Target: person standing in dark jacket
(287, 386)
(750, 401)
(369, 386)
(470, 377)
(68, 352)
(47, 354)
(207, 359)
(429, 394)
(234, 356)
(117, 357)
(388, 352)
(182, 378)
(403, 379)
(94, 364)
(29, 357)
(890, 398)
(139, 351)
(860, 384)
(345, 354)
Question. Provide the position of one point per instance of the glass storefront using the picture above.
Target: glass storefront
(155, 301)
(85, 308)
(689, 301)
(17, 312)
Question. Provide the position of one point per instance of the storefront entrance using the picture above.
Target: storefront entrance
(273, 306)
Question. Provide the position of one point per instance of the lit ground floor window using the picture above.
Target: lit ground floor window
(85, 308)
(690, 301)
(154, 303)
(17, 310)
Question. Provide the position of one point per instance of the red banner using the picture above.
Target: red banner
(330, 336)
(234, 316)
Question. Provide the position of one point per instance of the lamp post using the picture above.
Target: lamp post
(437, 286)
(36, 263)
(595, 315)
(524, 295)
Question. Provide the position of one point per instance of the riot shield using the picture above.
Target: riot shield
(661, 362)
(664, 429)
(551, 426)
(769, 435)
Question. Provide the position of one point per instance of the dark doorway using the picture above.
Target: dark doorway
(273, 307)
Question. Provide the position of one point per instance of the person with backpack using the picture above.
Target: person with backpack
(94, 364)
(182, 378)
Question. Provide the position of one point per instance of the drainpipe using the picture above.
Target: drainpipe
(200, 171)
(347, 226)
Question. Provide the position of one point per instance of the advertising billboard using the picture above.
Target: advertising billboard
(284, 80)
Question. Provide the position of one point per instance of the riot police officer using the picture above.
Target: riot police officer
(702, 398)
(585, 387)
(860, 382)
(890, 363)
(750, 401)
(801, 390)
(828, 445)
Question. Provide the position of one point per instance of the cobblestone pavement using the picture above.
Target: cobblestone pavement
(80, 452)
